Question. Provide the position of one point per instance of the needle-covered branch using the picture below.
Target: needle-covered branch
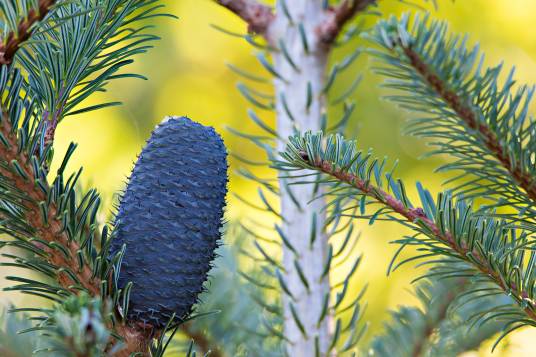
(49, 221)
(338, 16)
(483, 124)
(11, 42)
(310, 319)
(436, 313)
(56, 228)
(494, 249)
(19, 171)
(439, 326)
(81, 49)
(77, 327)
(258, 16)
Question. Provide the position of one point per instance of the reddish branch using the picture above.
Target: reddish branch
(7, 353)
(12, 42)
(256, 15)
(339, 15)
(416, 216)
(49, 231)
(433, 322)
(136, 338)
(468, 115)
(202, 341)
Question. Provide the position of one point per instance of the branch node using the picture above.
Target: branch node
(258, 16)
(338, 16)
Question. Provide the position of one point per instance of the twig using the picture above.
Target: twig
(338, 16)
(468, 115)
(136, 338)
(13, 41)
(50, 231)
(417, 216)
(202, 341)
(258, 16)
(433, 322)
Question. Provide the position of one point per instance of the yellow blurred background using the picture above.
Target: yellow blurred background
(188, 76)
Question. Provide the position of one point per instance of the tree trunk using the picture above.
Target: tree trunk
(300, 86)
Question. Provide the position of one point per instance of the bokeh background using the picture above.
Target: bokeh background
(187, 75)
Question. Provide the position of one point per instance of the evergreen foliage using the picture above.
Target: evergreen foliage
(465, 108)
(486, 128)
(286, 285)
(442, 326)
(130, 287)
(494, 250)
(56, 64)
(481, 280)
(77, 326)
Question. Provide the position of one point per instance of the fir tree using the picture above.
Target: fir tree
(130, 287)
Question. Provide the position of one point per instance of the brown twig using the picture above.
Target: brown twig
(258, 16)
(468, 115)
(12, 42)
(50, 230)
(416, 216)
(433, 322)
(338, 16)
(201, 340)
(137, 339)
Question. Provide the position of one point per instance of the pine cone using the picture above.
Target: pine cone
(170, 218)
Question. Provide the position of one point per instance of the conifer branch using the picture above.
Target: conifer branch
(470, 117)
(411, 330)
(339, 16)
(483, 124)
(13, 40)
(440, 325)
(48, 228)
(136, 339)
(7, 353)
(71, 273)
(417, 216)
(432, 325)
(341, 160)
(433, 321)
(303, 316)
(258, 16)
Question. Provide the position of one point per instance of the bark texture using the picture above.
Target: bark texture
(300, 104)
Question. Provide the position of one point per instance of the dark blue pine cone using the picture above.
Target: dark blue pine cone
(170, 218)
